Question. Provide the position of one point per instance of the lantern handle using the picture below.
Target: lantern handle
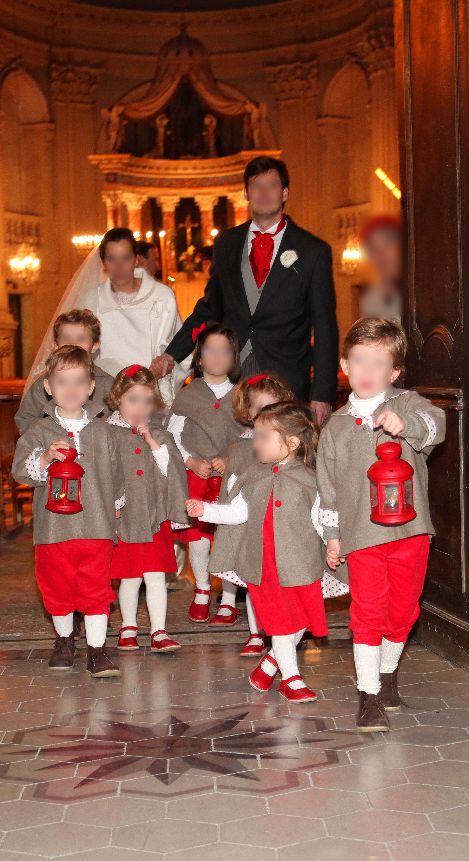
(380, 433)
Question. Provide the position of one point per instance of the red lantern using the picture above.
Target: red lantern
(64, 496)
(391, 491)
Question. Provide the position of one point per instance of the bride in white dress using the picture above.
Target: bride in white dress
(138, 315)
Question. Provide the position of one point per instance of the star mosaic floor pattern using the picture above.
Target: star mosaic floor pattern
(180, 760)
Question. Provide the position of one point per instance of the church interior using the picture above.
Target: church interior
(144, 114)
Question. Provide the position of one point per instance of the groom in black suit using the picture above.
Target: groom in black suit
(271, 282)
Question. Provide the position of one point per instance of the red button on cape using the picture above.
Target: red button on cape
(278, 503)
(358, 421)
(216, 406)
(138, 451)
(139, 471)
(275, 469)
(70, 433)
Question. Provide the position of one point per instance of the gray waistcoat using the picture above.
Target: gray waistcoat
(253, 293)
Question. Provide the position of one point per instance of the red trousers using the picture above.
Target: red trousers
(386, 583)
(75, 575)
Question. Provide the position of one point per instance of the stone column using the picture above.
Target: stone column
(73, 86)
(168, 204)
(206, 204)
(296, 89)
(7, 323)
(377, 52)
(38, 142)
(240, 207)
(112, 201)
(134, 202)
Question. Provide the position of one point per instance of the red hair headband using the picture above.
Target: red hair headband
(132, 370)
(196, 332)
(251, 381)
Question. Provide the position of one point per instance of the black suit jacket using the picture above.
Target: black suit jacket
(294, 303)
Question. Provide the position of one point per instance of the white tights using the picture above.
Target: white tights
(157, 600)
(284, 652)
(199, 552)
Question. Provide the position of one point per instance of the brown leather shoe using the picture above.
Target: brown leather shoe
(99, 665)
(371, 716)
(389, 694)
(63, 653)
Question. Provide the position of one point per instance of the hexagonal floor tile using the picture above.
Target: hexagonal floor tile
(272, 831)
(334, 849)
(167, 835)
(217, 808)
(377, 825)
(45, 839)
(451, 847)
(318, 802)
(112, 812)
(417, 798)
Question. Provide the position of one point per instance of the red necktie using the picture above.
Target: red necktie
(262, 249)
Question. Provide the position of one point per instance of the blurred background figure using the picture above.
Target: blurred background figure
(148, 258)
(381, 242)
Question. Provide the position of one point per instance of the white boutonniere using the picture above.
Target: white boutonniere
(288, 258)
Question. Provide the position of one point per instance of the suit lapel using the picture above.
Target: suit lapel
(236, 254)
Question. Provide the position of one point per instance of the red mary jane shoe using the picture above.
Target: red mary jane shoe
(253, 647)
(128, 644)
(165, 644)
(225, 620)
(296, 695)
(200, 612)
(261, 680)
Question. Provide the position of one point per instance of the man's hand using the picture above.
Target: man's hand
(322, 411)
(194, 507)
(53, 453)
(201, 467)
(162, 365)
(390, 422)
(333, 557)
(219, 464)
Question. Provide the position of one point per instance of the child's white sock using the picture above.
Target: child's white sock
(284, 648)
(271, 672)
(199, 552)
(252, 621)
(367, 664)
(63, 625)
(157, 600)
(96, 630)
(128, 603)
(390, 655)
(228, 597)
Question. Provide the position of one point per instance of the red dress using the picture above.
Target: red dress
(130, 560)
(206, 489)
(285, 609)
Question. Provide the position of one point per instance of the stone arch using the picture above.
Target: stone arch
(346, 101)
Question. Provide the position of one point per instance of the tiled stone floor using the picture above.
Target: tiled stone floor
(180, 760)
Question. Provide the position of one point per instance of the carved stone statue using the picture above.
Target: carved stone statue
(113, 128)
(253, 122)
(161, 124)
(210, 126)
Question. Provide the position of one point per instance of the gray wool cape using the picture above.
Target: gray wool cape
(347, 449)
(210, 424)
(298, 550)
(150, 498)
(102, 484)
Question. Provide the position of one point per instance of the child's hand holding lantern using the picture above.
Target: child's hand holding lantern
(53, 453)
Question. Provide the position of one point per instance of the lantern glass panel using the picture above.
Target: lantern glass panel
(57, 489)
(374, 494)
(390, 498)
(72, 491)
(408, 494)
